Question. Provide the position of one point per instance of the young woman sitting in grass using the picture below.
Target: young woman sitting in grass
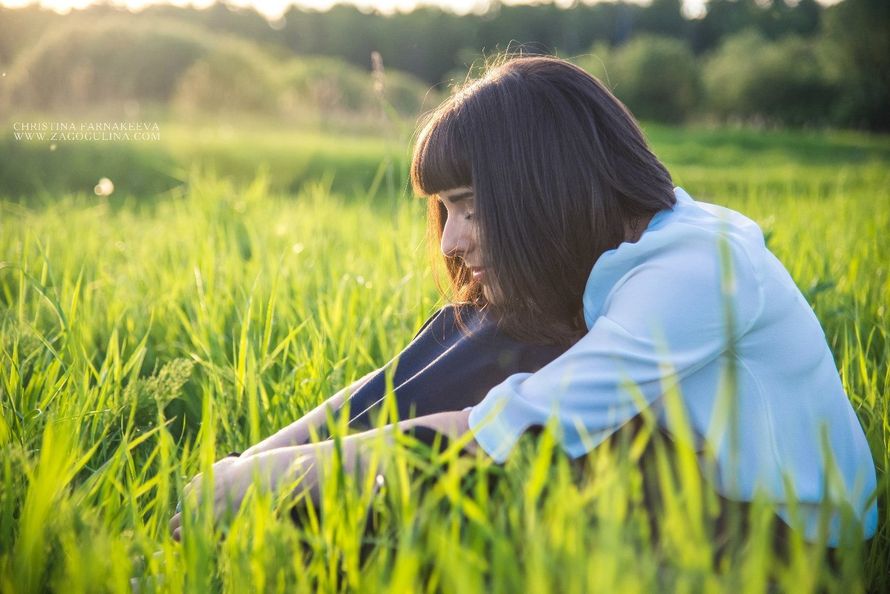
(557, 222)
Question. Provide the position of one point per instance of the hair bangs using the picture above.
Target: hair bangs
(441, 161)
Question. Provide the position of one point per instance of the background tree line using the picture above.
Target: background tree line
(774, 62)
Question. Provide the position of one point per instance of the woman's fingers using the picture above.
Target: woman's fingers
(232, 479)
(227, 493)
(175, 525)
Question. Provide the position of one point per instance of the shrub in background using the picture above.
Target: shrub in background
(657, 77)
(167, 64)
(751, 79)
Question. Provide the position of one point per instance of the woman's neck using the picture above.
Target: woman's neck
(634, 228)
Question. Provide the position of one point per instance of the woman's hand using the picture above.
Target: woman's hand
(217, 468)
(230, 482)
(223, 463)
(300, 464)
(232, 477)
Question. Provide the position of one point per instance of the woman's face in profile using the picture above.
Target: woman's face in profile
(460, 237)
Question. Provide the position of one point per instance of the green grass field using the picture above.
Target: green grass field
(143, 338)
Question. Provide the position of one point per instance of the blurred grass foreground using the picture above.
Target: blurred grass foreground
(142, 339)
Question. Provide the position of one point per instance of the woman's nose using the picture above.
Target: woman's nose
(457, 238)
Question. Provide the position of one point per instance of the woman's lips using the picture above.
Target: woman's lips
(478, 273)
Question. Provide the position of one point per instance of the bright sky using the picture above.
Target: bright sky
(273, 9)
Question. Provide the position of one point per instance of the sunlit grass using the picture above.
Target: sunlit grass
(143, 340)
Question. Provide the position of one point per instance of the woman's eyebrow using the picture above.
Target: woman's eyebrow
(455, 198)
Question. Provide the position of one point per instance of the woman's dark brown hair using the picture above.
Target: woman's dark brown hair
(558, 167)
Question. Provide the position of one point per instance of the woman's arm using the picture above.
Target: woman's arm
(288, 464)
(299, 432)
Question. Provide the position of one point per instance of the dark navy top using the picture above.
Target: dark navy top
(447, 367)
